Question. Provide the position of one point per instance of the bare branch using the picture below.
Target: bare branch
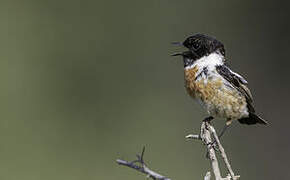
(205, 135)
(142, 167)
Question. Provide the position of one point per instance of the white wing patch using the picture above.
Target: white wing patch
(243, 80)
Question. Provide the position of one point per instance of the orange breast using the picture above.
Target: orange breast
(200, 88)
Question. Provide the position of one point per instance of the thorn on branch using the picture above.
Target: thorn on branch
(142, 167)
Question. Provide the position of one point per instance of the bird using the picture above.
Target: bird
(208, 79)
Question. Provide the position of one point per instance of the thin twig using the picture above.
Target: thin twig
(142, 167)
(223, 153)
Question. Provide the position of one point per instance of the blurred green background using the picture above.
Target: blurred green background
(86, 82)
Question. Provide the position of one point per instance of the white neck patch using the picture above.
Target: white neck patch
(209, 61)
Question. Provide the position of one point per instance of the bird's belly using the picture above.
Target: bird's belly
(217, 98)
(225, 103)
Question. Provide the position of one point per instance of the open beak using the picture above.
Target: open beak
(177, 44)
(177, 54)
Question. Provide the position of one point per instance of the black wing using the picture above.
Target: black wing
(238, 82)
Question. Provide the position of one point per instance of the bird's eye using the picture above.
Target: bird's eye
(196, 45)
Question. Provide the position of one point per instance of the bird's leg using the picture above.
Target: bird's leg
(228, 123)
(223, 131)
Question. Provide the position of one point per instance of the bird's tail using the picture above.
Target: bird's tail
(253, 119)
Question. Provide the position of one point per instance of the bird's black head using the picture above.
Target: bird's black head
(200, 45)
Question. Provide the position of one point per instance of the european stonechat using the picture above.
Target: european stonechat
(222, 92)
